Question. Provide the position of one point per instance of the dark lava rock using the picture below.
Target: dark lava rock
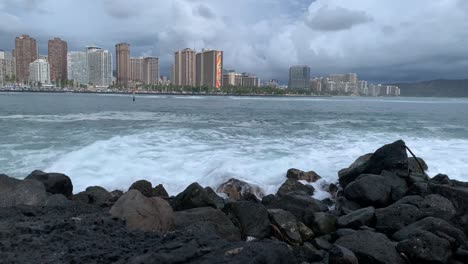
(456, 194)
(395, 217)
(160, 191)
(345, 206)
(344, 232)
(295, 174)
(58, 200)
(369, 190)
(94, 195)
(286, 224)
(142, 213)
(322, 223)
(391, 157)
(358, 218)
(252, 218)
(432, 205)
(306, 233)
(434, 225)
(425, 247)
(223, 225)
(440, 179)
(323, 242)
(300, 205)
(292, 186)
(342, 255)
(355, 167)
(145, 187)
(15, 192)
(371, 248)
(240, 190)
(399, 187)
(195, 196)
(310, 254)
(413, 165)
(55, 183)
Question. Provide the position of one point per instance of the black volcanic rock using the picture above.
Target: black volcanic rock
(145, 187)
(55, 183)
(160, 191)
(95, 195)
(298, 175)
(240, 190)
(342, 255)
(358, 218)
(252, 218)
(286, 224)
(290, 186)
(195, 196)
(15, 192)
(425, 247)
(369, 190)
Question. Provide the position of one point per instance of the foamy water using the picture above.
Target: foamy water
(111, 141)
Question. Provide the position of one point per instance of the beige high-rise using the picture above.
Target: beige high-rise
(184, 69)
(137, 69)
(25, 53)
(210, 68)
(57, 59)
(122, 51)
(151, 71)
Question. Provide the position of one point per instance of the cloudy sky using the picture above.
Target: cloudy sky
(385, 40)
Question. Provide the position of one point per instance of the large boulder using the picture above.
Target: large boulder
(369, 190)
(222, 224)
(160, 191)
(145, 214)
(145, 187)
(322, 223)
(58, 200)
(298, 175)
(345, 206)
(371, 248)
(285, 225)
(358, 218)
(240, 190)
(55, 183)
(391, 157)
(458, 195)
(358, 163)
(195, 196)
(252, 218)
(342, 255)
(413, 165)
(299, 204)
(15, 192)
(425, 247)
(94, 195)
(290, 186)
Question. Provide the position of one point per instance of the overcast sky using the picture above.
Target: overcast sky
(384, 40)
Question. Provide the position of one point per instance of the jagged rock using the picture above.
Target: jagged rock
(413, 165)
(145, 187)
(160, 191)
(355, 166)
(240, 190)
(342, 255)
(252, 219)
(425, 247)
(57, 200)
(143, 213)
(371, 248)
(456, 194)
(440, 179)
(115, 195)
(306, 233)
(358, 218)
(223, 225)
(330, 188)
(322, 223)
(369, 190)
(195, 196)
(298, 175)
(345, 206)
(399, 187)
(55, 183)
(286, 224)
(434, 225)
(391, 157)
(432, 205)
(15, 192)
(299, 204)
(94, 195)
(292, 186)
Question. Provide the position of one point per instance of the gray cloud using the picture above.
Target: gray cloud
(205, 12)
(336, 18)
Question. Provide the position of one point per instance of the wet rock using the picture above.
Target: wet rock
(355, 168)
(286, 223)
(223, 225)
(292, 186)
(55, 183)
(331, 188)
(299, 204)
(358, 218)
(391, 157)
(160, 191)
(298, 175)
(252, 219)
(456, 194)
(425, 247)
(306, 233)
(58, 200)
(440, 179)
(345, 206)
(145, 187)
(310, 254)
(369, 190)
(143, 213)
(371, 248)
(322, 223)
(395, 217)
(436, 226)
(399, 187)
(15, 192)
(115, 195)
(413, 165)
(195, 196)
(342, 255)
(94, 195)
(432, 205)
(240, 190)
(323, 242)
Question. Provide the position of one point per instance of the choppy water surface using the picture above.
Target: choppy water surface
(109, 140)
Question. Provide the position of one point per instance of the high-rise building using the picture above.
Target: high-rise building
(209, 68)
(57, 59)
(122, 51)
(7, 66)
(299, 78)
(39, 71)
(25, 53)
(232, 78)
(151, 71)
(249, 80)
(184, 68)
(77, 67)
(136, 69)
(99, 66)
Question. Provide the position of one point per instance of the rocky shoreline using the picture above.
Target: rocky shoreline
(384, 209)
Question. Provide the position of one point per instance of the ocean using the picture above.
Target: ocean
(111, 141)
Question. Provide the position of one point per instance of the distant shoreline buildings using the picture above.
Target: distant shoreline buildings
(92, 68)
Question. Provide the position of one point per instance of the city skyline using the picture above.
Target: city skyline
(330, 36)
